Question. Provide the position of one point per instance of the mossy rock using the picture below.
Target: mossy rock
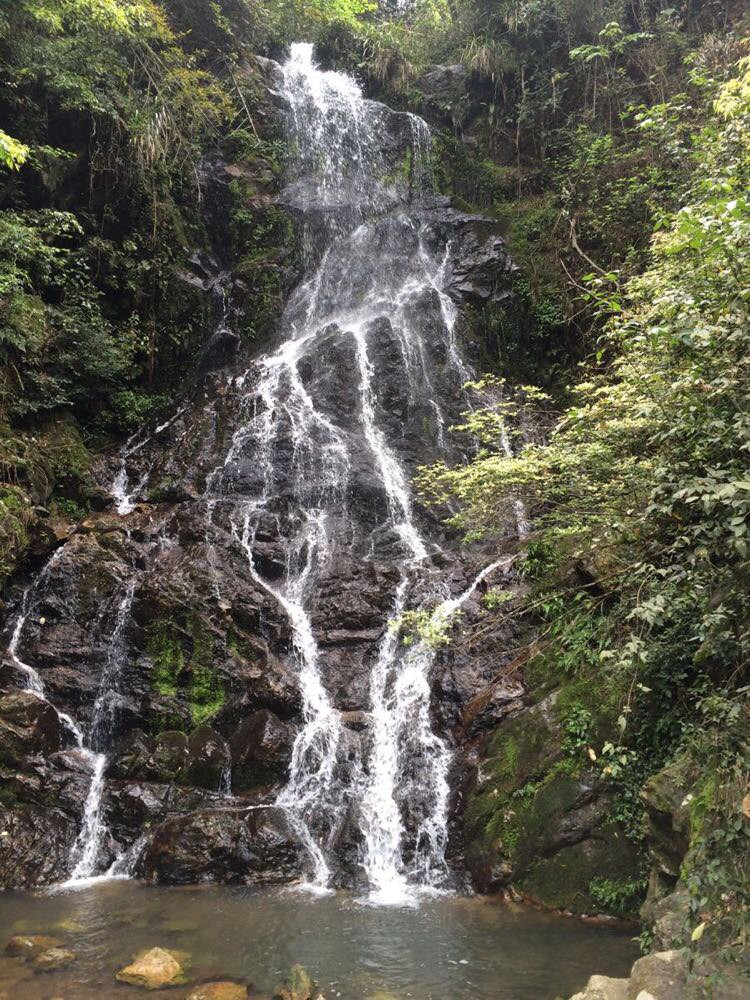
(599, 874)
(674, 809)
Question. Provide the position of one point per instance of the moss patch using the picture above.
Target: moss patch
(182, 653)
(598, 875)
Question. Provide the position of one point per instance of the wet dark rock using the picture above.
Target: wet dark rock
(220, 349)
(208, 758)
(130, 759)
(169, 757)
(28, 725)
(482, 270)
(261, 747)
(247, 846)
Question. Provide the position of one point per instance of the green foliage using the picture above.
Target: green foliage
(618, 897)
(641, 503)
(13, 154)
(432, 627)
(103, 98)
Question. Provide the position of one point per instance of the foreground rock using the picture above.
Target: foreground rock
(218, 991)
(154, 969)
(53, 959)
(297, 986)
(604, 988)
(664, 976)
(31, 946)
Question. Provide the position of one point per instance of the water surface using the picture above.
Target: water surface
(450, 948)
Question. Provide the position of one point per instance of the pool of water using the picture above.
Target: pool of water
(449, 948)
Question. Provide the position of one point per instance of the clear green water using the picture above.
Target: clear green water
(450, 948)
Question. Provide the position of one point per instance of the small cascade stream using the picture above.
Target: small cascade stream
(86, 852)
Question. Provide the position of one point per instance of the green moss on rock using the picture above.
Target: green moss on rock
(181, 650)
(600, 874)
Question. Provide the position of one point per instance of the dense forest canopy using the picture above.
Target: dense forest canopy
(611, 140)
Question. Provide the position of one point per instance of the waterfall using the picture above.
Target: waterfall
(369, 269)
(328, 425)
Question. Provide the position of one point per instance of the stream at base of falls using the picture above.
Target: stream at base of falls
(450, 948)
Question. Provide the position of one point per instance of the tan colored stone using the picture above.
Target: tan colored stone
(604, 988)
(218, 991)
(153, 969)
(662, 973)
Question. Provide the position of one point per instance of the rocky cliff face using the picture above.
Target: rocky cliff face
(163, 630)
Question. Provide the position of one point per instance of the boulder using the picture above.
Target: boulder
(564, 880)
(35, 845)
(297, 986)
(669, 917)
(604, 988)
(218, 991)
(169, 757)
(246, 846)
(261, 747)
(131, 757)
(663, 974)
(666, 797)
(28, 725)
(153, 969)
(208, 759)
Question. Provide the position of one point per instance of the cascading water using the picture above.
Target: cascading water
(86, 853)
(369, 270)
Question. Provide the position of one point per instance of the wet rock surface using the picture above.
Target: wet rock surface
(251, 846)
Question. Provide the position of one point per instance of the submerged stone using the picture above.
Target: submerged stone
(29, 946)
(297, 986)
(218, 991)
(604, 988)
(53, 958)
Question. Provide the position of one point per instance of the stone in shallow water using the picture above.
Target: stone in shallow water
(219, 991)
(53, 958)
(153, 969)
(30, 945)
(297, 986)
